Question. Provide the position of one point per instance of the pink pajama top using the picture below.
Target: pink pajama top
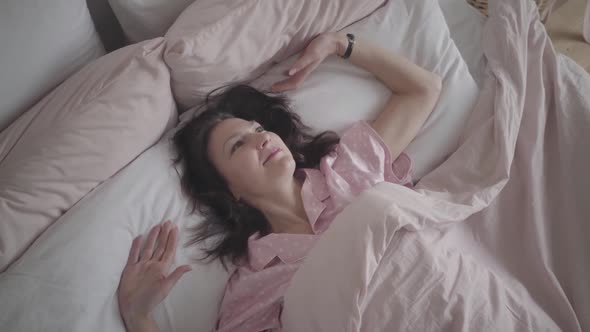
(254, 293)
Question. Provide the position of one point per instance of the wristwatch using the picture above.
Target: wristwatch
(350, 37)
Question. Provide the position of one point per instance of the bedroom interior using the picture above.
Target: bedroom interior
(92, 91)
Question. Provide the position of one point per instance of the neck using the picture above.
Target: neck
(284, 209)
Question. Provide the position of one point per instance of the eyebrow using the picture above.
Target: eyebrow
(252, 124)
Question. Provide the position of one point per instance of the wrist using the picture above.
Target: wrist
(341, 43)
(139, 323)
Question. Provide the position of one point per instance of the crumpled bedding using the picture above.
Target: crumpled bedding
(496, 238)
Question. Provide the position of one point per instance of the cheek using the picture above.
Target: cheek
(244, 170)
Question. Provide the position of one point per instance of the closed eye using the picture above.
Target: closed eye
(236, 145)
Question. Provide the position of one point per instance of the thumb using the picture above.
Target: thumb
(173, 278)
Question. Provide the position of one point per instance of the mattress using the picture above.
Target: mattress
(67, 280)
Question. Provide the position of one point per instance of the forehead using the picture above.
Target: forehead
(228, 127)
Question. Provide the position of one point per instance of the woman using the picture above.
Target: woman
(268, 188)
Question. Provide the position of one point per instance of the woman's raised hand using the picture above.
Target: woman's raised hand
(145, 281)
(316, 51)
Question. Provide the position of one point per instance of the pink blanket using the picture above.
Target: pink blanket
(497, 238)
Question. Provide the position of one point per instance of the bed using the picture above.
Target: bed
(499, 169)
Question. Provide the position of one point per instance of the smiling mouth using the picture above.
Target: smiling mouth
(271, 155)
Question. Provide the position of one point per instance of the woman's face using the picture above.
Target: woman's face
(254, 162)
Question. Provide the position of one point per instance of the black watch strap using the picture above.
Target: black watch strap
(348, 52)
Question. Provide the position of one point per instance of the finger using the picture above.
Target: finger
(303, 61)
(289, 83)
(283, 85)
(173, 278)
(302, 75)
(148, 247)
(134, 251)
(294, 81)
(170, 252)
(162, 239)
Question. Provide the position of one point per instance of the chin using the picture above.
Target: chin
(285, 165)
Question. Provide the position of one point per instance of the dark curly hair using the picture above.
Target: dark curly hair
(229, 221)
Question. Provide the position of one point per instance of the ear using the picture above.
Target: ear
(234, 193)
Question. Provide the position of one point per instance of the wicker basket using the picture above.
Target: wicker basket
(482, 6)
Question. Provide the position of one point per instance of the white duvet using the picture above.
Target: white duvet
(496, 239)
(382, 266)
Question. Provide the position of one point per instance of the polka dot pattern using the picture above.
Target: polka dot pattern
(254, 294)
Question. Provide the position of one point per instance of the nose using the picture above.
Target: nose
(264, 140)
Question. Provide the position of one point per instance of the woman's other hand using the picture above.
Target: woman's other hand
(316, 51)
(145, 281)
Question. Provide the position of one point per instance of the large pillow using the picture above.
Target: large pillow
(68, 278)
(146, 19)
(43, 42)
(466, 28)
(217, 42)
(339, 93)
(79, 135)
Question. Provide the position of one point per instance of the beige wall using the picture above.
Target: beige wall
(565, 29)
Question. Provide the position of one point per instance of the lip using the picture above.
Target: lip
(272, 154)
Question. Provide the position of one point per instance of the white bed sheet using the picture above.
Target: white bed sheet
(67, 280)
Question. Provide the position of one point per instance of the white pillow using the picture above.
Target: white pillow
(339, 93)
(466, 28)
(146, 19)
(67, 280)
(43, 42)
